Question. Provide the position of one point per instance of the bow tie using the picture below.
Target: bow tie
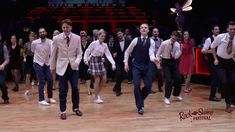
(155, 39)
(120, 40)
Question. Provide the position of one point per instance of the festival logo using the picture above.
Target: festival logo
(200, 114)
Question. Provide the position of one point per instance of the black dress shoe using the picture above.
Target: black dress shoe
(130, 82)
(118, 93)
(141, 111)
(214, 99)
(114, 89)
(91, 86)
(6, 102)
(152, 92)
(63, 116)
(228, 108)
(78, 112)
(233, 103)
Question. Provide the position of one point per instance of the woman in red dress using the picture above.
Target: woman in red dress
(187, 60)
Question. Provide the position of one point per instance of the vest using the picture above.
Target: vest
(1, 54)
(141, 53)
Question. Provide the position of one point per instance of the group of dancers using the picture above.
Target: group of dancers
(68, 55)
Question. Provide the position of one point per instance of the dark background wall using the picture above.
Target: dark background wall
(198, 21)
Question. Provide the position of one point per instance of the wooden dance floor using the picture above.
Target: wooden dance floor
(117, 114)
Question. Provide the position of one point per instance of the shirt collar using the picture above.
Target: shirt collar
(65, 37)
(122, 39)
(98, 42)
(43, 40)
(155, 38)
(143, 37)
(225, 38)
(171, 42)
(214, 36)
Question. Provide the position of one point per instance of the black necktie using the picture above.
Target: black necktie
(143, 41)
(68, 40)
(171, 51)
(230, 45)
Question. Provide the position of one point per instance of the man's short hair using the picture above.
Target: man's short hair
(175, 33)
(67, 21)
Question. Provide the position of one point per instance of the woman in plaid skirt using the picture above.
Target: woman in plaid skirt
(94, 57)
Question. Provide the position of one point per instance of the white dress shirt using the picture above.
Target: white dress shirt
(98, 50)
(207, 44)
(165, 50)
(132, 46)
(158, 42)
(42, 51)
(221, 42)
(122, 44)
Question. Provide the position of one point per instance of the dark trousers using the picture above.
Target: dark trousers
(141, 71)
(120, 73)
(44, 74)
(159, 76)
(171, 72)
(226, 74)
(72, 76)
(92, 82)
(214, 79)
(2, 85)
(129, 74)
(108, 67)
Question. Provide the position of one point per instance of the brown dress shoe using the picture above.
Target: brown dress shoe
(78, 112)
(63, 116)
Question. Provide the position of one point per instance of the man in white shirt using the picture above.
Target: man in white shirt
(158, 41)
(66, 57)
(223, 59)
(42, 49)
(206, 50)
(142, 49)
(168, 53)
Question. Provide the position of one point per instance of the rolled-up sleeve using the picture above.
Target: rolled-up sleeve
(129, 50)
(87, 53)
(216, 42)
(152, 50)
(178, 51)
(206, 45)
(109, 56)
(159, 52)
